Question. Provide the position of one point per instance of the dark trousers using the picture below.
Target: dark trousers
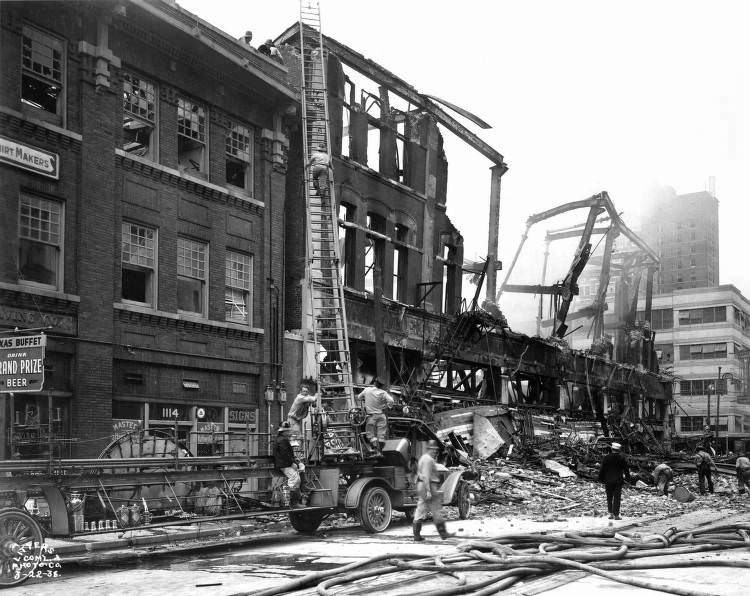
(704, 476)
(614, 494)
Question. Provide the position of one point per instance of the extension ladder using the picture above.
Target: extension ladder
(336, 434)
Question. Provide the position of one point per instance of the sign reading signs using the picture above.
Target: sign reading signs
(29, 158)
(22, 363)
(241, 416)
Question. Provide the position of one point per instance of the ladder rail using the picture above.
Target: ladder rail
(324, 279)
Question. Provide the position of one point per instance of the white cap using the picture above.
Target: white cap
(616, 446)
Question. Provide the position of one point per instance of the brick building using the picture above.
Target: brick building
(142, 182)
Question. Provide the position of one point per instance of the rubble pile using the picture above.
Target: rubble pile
(508, 488)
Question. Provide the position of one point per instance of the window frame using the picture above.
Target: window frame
(199, 137)
(204, 281)
(231, 157)
(153, 144)
(152, 283)
(59, 257)
(57, 117)
(247, 292)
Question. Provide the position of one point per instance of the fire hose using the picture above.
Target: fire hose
(515, 557)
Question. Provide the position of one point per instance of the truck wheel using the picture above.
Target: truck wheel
(463, 500)
(21, 544)
(306, 522)
(375, 509)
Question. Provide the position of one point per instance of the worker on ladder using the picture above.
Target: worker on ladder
(319, 165)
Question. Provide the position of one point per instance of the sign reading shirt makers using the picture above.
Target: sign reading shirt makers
(29, 158)
(22, 363)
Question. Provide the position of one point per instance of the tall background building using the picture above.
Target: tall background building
(684, 231)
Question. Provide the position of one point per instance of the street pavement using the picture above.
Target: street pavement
(260, 560)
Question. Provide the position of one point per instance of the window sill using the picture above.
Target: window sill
(39, 290)
(184, 316)
(226, 191)
(41, 123)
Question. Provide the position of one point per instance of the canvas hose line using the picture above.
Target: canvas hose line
(515, 557)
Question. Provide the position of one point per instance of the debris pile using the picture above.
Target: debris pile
(506, 488)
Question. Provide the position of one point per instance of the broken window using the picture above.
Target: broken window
(191, 137)
(238, 292)
(191, 276)
(138, 116)
(40, 241)
(239, 151)
(138, 263)
(374, 251)
(42, 72)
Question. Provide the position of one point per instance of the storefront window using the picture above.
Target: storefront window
(38, 429)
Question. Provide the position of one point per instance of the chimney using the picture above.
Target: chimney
(712, 185)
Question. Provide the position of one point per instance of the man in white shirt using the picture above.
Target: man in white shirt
(374, 400)
(429, 494)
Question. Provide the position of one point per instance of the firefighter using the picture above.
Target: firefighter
(613, 473)
(429, 493)
(284, 462)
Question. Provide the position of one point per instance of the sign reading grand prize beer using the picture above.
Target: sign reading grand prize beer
(29, 158)
(22, 363)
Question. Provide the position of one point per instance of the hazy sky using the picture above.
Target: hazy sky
(583, 96)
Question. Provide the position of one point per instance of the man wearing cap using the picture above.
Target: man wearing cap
(374, 400)
(429, 494)
(613, 473)
(283, 459)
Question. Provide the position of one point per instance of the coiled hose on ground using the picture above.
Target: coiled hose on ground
(515, 557)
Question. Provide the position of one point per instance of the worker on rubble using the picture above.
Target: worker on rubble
(663, 475)
(703, 463)
(613, 473)
(429, 493)
(284, 462)
(374, 400)
(743, 472)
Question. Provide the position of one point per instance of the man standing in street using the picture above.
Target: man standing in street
(429, 494)
(663, 475)
(613, 473)
(703, 463)
(374, 400)
(283, 459)
(743, 472)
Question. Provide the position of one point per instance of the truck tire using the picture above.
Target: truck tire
(463, 499)
(306, 522)
(375, 509)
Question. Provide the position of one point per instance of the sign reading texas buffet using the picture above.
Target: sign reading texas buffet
(22, 363)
